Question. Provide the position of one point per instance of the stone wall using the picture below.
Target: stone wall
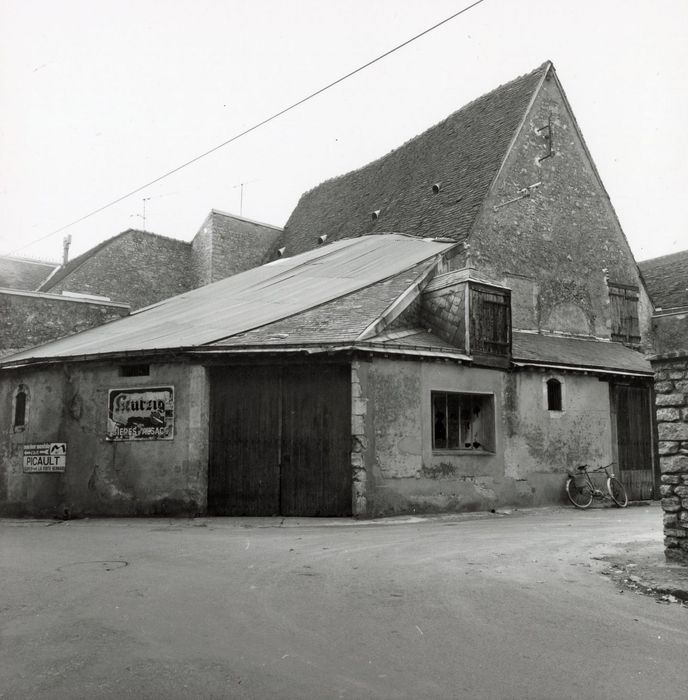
(31, 318)
(135, 268)
(671, 385)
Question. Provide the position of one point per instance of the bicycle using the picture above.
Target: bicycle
(581, 490)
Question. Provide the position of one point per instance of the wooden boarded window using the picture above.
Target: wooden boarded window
(623, 301)
(490, 319)
(463, 421)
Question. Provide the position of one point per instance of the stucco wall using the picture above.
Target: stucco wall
(533, 447)
(69, 404)
(541, 445)
(564, 237)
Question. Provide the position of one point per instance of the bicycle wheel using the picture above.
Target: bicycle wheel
(579, 492)
(617, 492)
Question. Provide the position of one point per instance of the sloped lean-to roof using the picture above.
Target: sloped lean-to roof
(534, 349)
(23, 273)
(254, 299)
(433, 185)
(667, 280)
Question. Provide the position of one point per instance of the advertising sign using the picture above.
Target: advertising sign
(141, 414)
(45, 457)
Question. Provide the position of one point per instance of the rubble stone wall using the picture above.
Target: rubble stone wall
(671, 385)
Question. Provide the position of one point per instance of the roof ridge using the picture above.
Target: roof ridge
(243, 218)
(543, 67)
(34, 261)
(678, 253)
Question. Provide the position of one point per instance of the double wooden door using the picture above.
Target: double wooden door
(280, 440)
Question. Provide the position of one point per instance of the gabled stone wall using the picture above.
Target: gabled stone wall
(671, 385)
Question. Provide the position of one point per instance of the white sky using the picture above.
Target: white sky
(101, 96)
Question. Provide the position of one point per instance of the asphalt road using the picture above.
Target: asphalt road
(512, 606)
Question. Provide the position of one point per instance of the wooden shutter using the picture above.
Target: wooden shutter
(490, 313)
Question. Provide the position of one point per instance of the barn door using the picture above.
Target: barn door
(243, 467)
(280, 441)
(632, 405)
(316, 441)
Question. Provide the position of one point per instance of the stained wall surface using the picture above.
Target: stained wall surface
(557, 243)
(69, 404)
(533, 447)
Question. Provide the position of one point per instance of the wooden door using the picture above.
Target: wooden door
(316, 441)
(280, 441)
(633, 408)
(243, 467)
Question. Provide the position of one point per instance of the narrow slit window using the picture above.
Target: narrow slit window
(553, 395)
(20, 409)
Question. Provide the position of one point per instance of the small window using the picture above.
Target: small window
(463, 422)
(20, 409)
(553, 395)
(623, 301)
(134, 370)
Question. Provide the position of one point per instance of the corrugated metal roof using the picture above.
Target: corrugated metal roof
(248, 300)
(574, 352)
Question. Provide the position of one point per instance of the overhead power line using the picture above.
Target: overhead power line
(265, 121)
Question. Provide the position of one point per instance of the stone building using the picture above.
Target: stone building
(43, 301)
(667, 282)
(671, 373)
(453, 327)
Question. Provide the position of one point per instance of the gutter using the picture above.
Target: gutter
(574, 368)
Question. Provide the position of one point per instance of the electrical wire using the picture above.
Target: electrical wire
(265, 121)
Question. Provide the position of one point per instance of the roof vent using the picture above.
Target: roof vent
(375, 215)
(280, 252)
(436, 187)
(322, 239)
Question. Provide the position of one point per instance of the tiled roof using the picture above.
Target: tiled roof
(533, 348)
(462, 154)
(251, 299)
(77, 262)
(23, 273)
(667, 279)
(339, 321)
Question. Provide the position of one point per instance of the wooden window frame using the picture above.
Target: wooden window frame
(463, 433)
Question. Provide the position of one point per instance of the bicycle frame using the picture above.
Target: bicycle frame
(581, 489)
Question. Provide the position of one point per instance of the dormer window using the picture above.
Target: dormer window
(623, 300)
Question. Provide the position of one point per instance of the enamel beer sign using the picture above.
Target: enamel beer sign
(141, 414)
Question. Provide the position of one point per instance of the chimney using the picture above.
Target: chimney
(65, 248)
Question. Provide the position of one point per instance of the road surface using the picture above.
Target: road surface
(488, 606)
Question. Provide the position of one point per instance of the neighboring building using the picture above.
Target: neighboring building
(129, 271)
(141, 268)
(29, 317)
(23, 273)
(465, 366)
(667, 282)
